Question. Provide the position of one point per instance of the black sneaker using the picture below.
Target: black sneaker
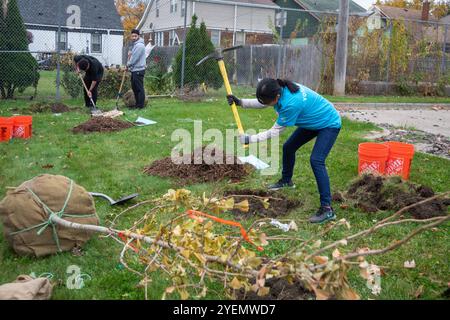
(280, 184)
(324, 214)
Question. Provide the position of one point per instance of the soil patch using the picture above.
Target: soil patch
(41, 107)
(59, 108)
(372, 193)
(203, 165)
(262, 203)
(280, 289)
(101, 124)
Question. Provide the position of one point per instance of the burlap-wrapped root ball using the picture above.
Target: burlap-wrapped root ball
(25, 213)
(130, 101)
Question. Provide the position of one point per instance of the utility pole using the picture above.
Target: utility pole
(340, 70)
(58, 54)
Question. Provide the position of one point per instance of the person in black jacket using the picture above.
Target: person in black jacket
(93, 75)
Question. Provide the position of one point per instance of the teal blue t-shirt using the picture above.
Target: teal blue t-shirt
(306, 109)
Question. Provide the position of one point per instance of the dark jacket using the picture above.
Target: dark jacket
(95, 71)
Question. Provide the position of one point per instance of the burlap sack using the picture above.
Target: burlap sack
(22, 212)
(27, 288)
(130, 101)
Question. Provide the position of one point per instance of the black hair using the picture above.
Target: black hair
(269, 88)
(83, 64)
(136, 31)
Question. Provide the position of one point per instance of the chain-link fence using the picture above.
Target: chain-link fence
(386, 55)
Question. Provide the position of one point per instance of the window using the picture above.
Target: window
(183, 8)
(239, 39)
(173, 38)
(159, 39)
(215, 37)
(96, 43)
(157, 8)
(173, 5)
(62, 40)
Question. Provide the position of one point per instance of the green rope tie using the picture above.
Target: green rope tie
(44, 225)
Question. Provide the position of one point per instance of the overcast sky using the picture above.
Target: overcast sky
(365, 3)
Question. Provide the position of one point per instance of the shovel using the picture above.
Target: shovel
(111, 200)
(119, 95)
(94, 111)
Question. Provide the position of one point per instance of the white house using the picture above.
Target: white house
(87, 26)
(229, 22)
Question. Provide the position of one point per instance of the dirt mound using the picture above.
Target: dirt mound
(372, 193)
(280, 289)
(101, 124)
(213, 165)
(59, 108)
(263, 203)
(41, 107)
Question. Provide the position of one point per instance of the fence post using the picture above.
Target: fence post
(444, 47)
(58, 55)
(340, 70)
(251, 65)
(183, 59)
(388, 61)
(281, 43)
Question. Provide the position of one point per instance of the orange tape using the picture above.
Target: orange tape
(193, 213)
(125, 239)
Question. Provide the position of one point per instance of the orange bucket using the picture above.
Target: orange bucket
(372, 157)
(6, 128)
(22, 127)
(400, 158)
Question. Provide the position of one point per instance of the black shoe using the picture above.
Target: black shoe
(280, 184)
(324, 214)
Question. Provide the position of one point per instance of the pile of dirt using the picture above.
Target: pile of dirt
(203, 165)
(372, 193)
(102, 124)
(262, 203)
(41, 107)
(59, 108)
(280, 289)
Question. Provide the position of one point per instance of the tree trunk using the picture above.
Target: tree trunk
(11, 90)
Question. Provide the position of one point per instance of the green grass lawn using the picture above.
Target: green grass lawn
(112, 163)
(47, 91)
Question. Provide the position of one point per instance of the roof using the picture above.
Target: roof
(98, 14)
(328, 5)
(399, 13)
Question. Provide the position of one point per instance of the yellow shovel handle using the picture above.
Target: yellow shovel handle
(223, 71)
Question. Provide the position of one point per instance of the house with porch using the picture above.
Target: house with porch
(228, 22)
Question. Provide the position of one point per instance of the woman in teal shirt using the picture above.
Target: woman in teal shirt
(314, 117)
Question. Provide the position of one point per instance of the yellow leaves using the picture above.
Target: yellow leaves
(265, 202)
(184, 295)
(179, 196)
(200, 258)
(243, 206)
(185, 253)
(264, 291)
(235, 284)
(320, 259)
(177, 231)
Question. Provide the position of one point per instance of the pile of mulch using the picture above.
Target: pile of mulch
(279, 205)
(372, 193)
(280, 289)
(226, 167)
(59, 108)
(102, 124)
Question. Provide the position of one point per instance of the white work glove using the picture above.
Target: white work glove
(244, 139)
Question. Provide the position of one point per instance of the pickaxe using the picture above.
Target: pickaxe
(218, 55)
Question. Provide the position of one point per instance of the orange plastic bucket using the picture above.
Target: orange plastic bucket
(372, 157)
(6, 128)
(400, 158)
(22, 127)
